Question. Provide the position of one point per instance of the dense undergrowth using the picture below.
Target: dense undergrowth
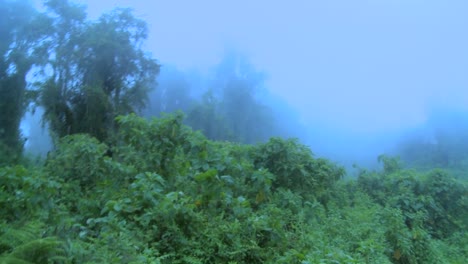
(165, 194)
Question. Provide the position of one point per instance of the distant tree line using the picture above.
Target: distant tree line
(84, 73)
(442, 142)
(232, 104)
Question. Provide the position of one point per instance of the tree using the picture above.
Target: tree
(99, 70)
(205, 116)
(233, 109)
(240, 87)
(441, 142)
(59, 87)
(22, 30)
(173, 93)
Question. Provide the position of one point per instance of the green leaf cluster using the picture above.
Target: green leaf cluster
(166, 194)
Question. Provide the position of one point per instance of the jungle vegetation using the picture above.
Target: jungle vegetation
(201, 187)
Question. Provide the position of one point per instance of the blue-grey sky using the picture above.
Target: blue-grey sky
(361, 66)
(364, 67)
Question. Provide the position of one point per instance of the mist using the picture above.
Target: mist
(350, 79)
(38, 140)
(233, 132)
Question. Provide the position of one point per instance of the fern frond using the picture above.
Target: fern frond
(13, 237)
(38, 251)
(13, 260)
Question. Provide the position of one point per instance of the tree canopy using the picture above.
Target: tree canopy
(21, 48)
(99, 70)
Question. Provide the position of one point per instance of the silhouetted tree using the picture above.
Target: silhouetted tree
(173, 93)
(22, 32)
(206, 117)
(99, 70)
(239, 86)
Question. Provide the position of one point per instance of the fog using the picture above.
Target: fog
(349, 78)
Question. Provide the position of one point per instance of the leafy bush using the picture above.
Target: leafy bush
(295, 168)
(165, 194)
(78, 158)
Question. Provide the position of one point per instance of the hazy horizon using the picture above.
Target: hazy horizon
(356, 72)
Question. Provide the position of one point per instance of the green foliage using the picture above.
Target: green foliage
(441, 143)
(249, 120)
(99, 70)
(37, 251)
(81, 159)
(173, 93)
(19, 195)
(85, 72)
(166, 194)
(422, 208)
(206, 116)
(390, 164)
(295, 168)
(448, 209)
(21, 39)
(25, 245)
(231, 109)
(158, 145)
(128, 190)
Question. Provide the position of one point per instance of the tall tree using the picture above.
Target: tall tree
(173, 93)
(99, 70)
(22, 32)
(206, 117)
(233, 110)
(63, 81)
(239, 86)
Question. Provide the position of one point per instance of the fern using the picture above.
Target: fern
(25, 245)
(13, 237)
(13, 260)
(39, 251)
